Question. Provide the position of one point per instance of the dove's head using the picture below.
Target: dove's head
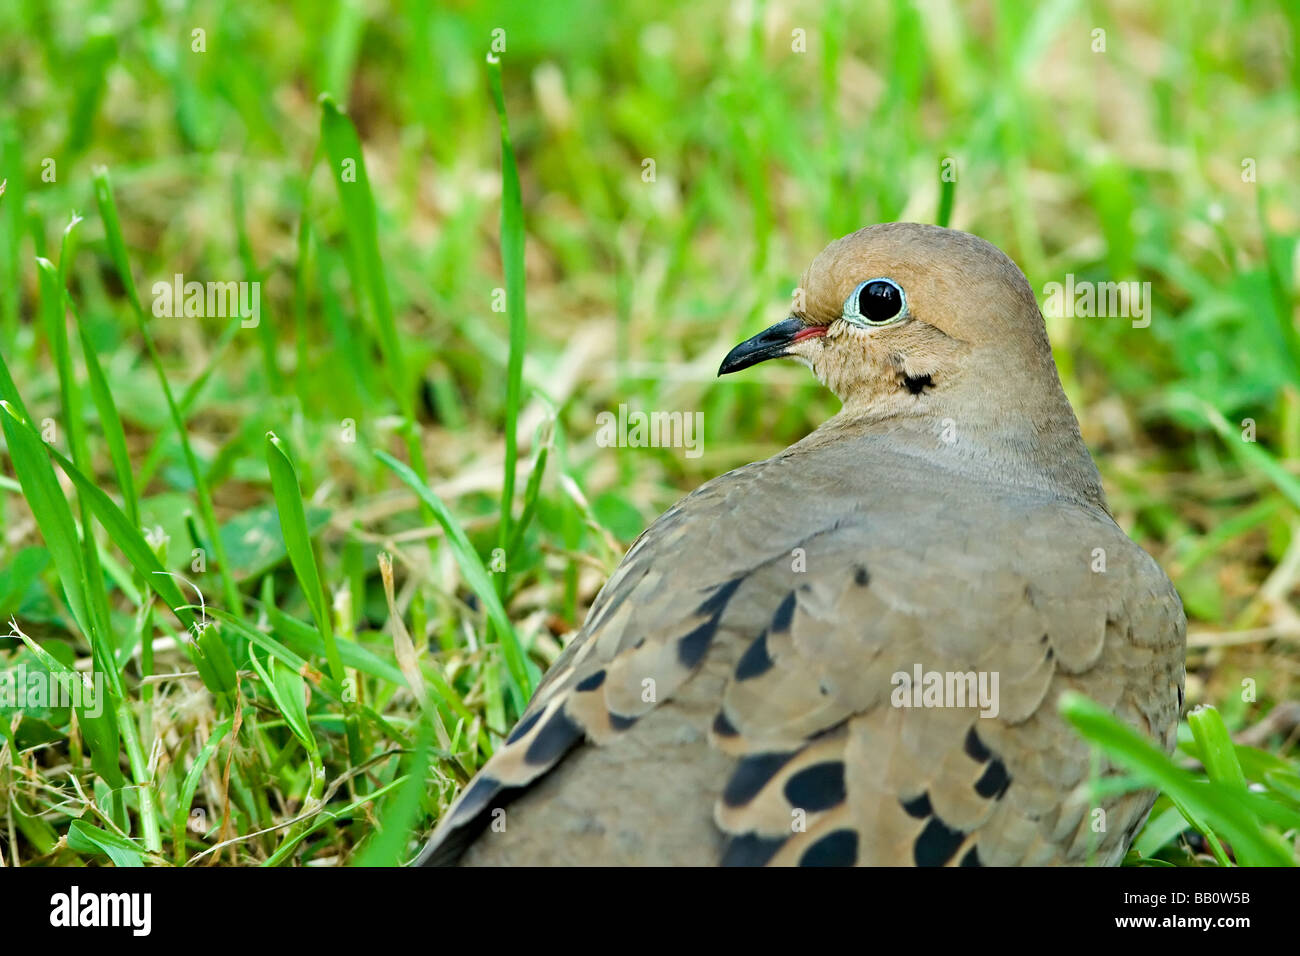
(904, 317)
(935, 334)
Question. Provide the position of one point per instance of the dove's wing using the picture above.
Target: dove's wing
(733, 696)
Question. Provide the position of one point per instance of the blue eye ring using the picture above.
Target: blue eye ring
(879, 296)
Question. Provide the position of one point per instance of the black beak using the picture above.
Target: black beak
(771, 343)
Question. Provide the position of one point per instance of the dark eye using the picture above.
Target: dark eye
(875, 302)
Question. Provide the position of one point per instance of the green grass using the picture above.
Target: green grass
(321, 563)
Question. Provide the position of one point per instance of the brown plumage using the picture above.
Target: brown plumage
(733, 698)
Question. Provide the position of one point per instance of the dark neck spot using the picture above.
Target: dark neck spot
(916, 385)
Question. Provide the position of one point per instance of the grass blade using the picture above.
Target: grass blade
(512, 258)
(348, 170)
(1160, 831)
(117, 251)
(400, 813)
(947, 191)
(1217, 806)
(51, 511)
(185, 798)
(1216, 748)
(110, 517)
(1252, 456)
(347, 164)
(111, 422)
(523, 672)
(297, 542)
(87, 838)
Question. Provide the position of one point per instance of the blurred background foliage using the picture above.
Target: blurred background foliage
(679, 166)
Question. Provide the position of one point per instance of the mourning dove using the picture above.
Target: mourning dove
(754, 683)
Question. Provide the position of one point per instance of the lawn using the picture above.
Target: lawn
(309, 315)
